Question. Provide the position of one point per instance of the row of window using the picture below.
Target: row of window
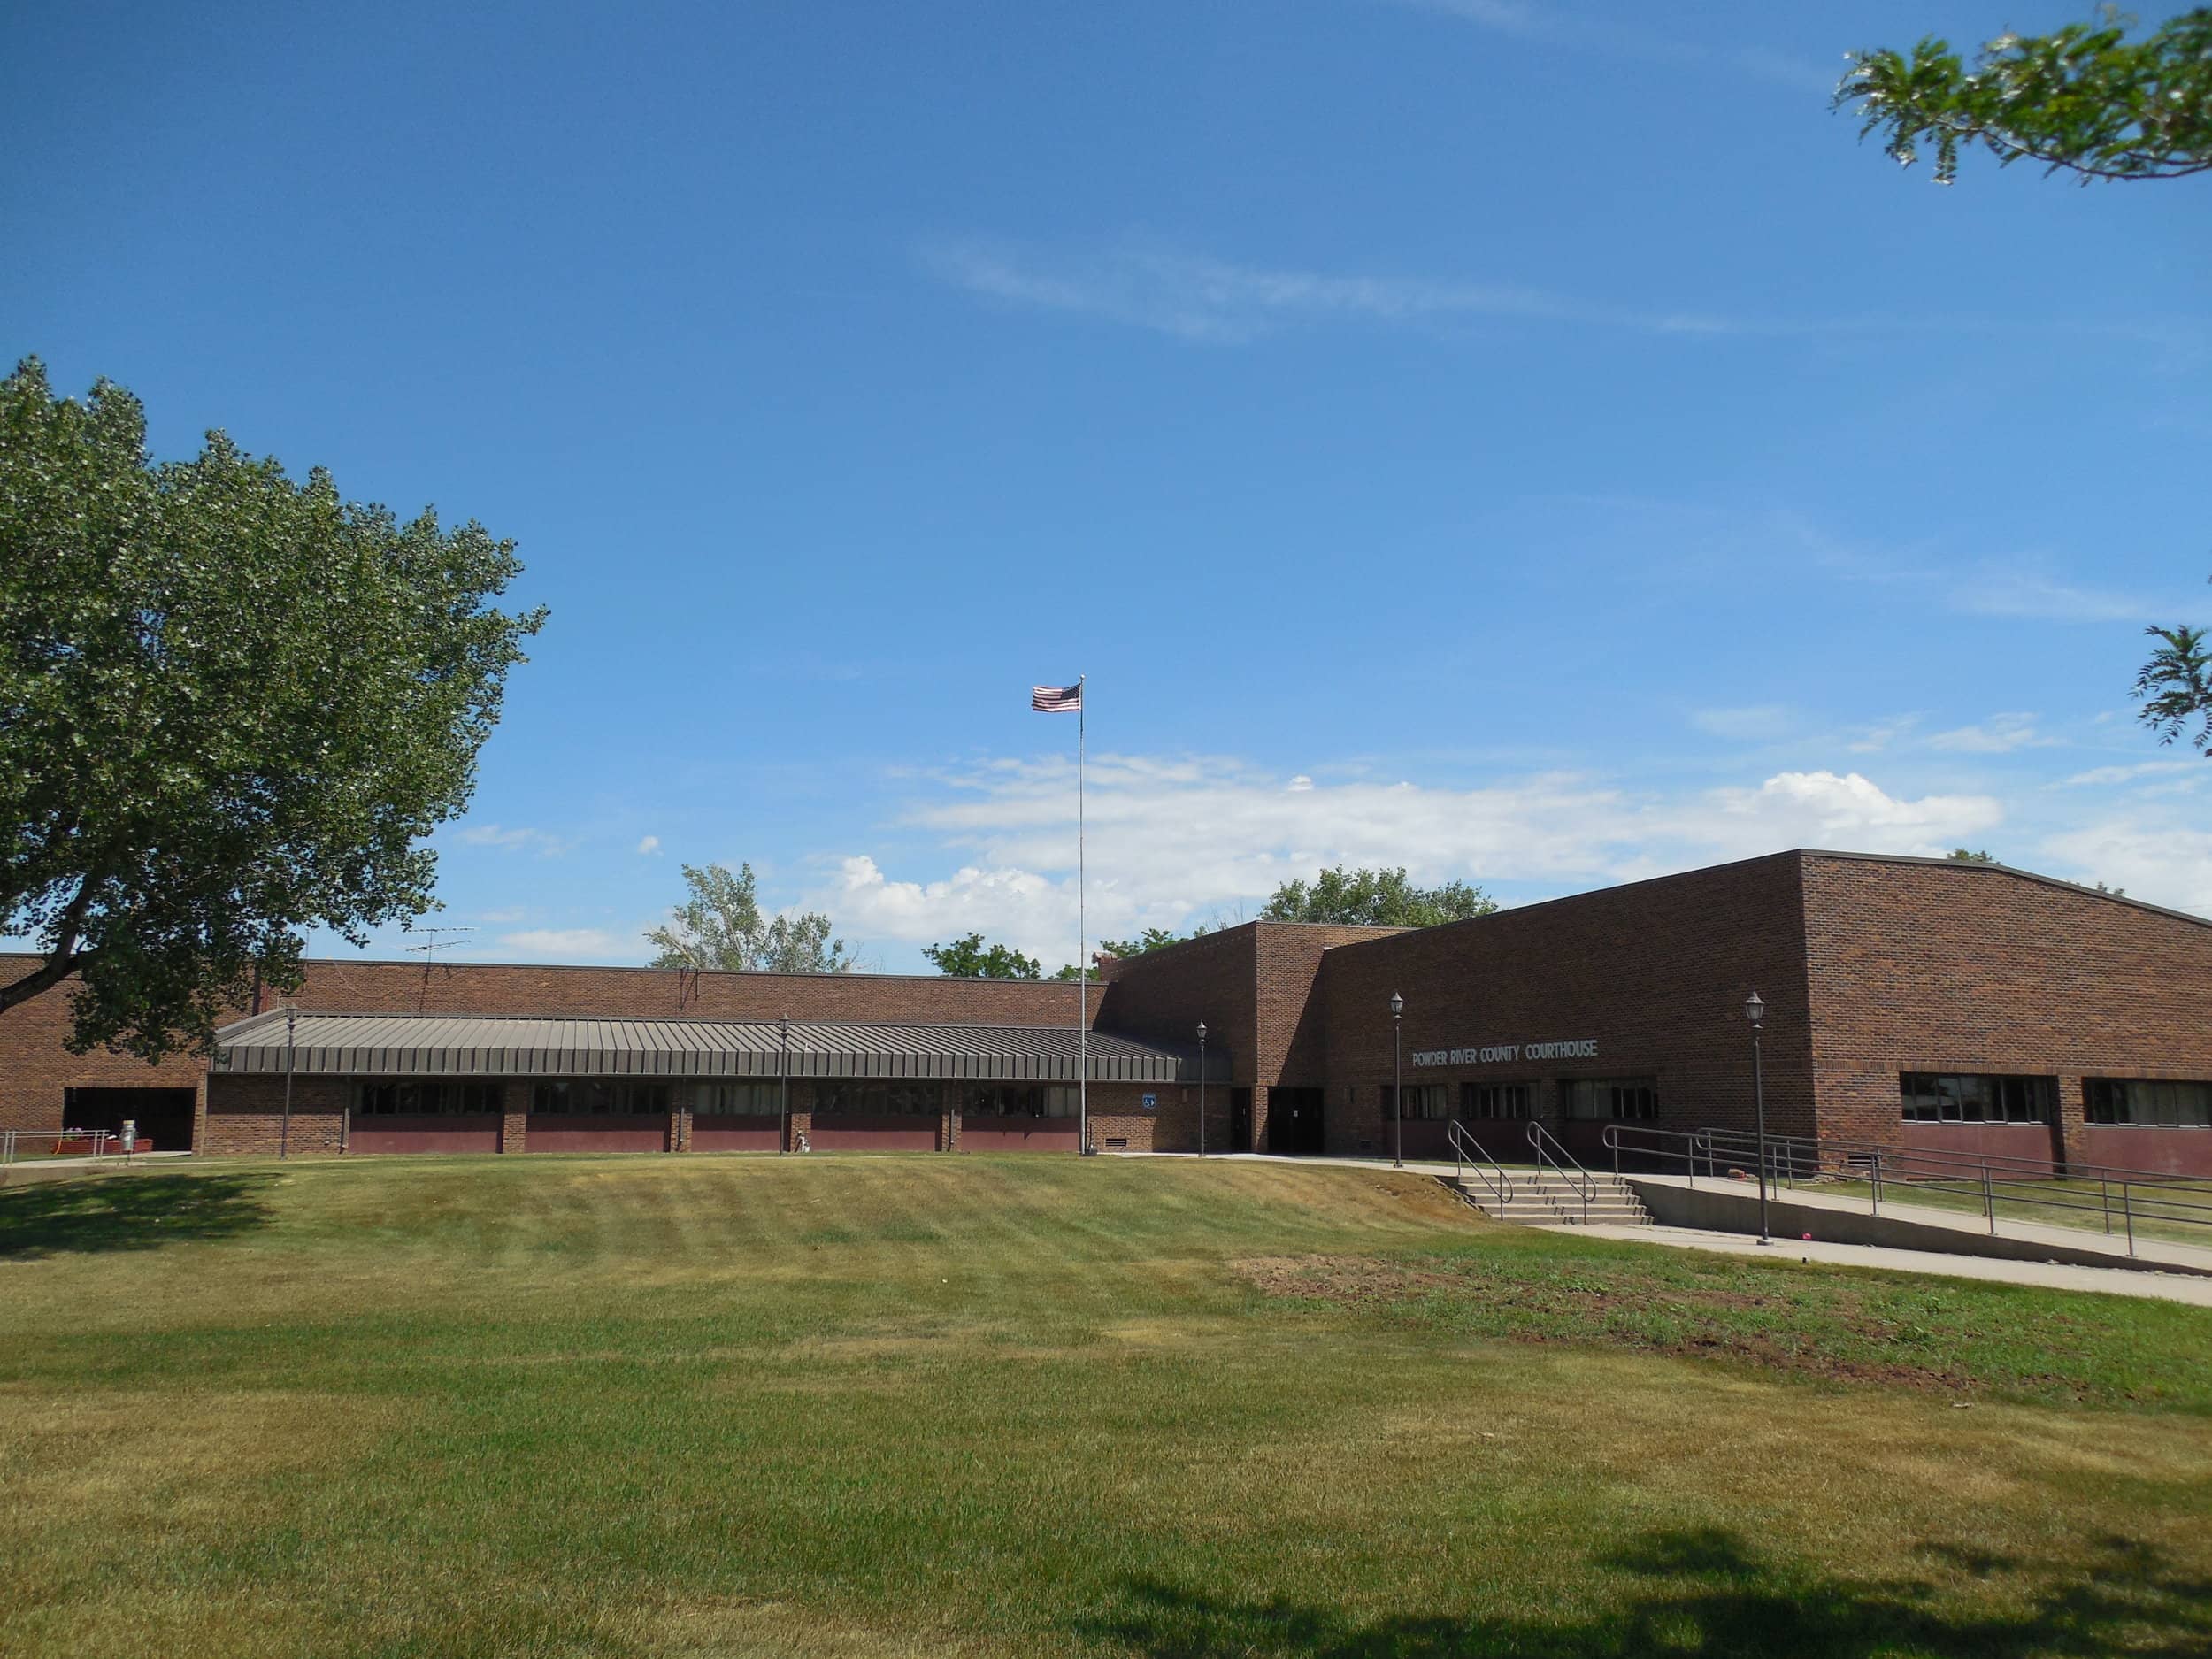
(1622, 1099)
(2154, 1102)
(1934, 1097)
(624, 1096)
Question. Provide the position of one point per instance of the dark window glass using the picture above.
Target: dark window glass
(427, 1099)
(874, 1097)
(593, 1096)
(1497, 1100)
(750, 1097)
(2148, 1102)
(1018, 1100)
(1424, 1102)
(1942, 1097)
(1619, 1098)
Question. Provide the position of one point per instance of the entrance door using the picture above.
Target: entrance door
(1293, 1122)
(1239, 1120)
(164, 1115)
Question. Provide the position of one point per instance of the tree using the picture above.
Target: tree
(721, 928)
(1151, 939)
(232, 706)
(2175, 686)
(1961, 856)
(2084, 99)
(1375, 898)
(970, 958)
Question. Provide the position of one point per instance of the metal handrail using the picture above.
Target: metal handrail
(2141, 1195)
(1469, 1153)
(1548, 1150)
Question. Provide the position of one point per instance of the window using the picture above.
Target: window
(1019, 1100)
(1497, 1100)
(1621, 1098)
(439, 1099)
(751, 1098)
(871, 1097)
(1425, 1102)
(594, 1097)
(2152, 1102)
(1940, 1097)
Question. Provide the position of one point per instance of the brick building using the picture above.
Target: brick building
(1912, 1002)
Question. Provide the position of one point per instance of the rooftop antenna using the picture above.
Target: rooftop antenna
(428, 951)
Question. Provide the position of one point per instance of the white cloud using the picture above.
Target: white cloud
(2013, 591)
(2000, 734)
(1759, 723)
(517, 839)
(2156, 859)
(1301, 784)
(1174, 839)
(2106, 777)
(577, 944)
(651, 844)
(1193, 297)
(1872, 740)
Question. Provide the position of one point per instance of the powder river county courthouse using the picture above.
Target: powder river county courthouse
(1911, 1002)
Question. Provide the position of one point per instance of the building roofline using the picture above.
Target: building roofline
(2008, 870)
(628, 967)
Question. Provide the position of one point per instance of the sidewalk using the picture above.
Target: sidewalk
(1723, 1206)
(2111, 1281)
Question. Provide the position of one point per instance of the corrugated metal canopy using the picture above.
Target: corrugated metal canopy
(468, 1044)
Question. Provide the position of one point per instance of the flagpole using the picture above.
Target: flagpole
(1082, 947)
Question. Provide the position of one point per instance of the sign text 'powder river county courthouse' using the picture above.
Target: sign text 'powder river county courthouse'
(1580, 1048)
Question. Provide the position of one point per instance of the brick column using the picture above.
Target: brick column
(513, 1120)
(948, 1129)
(679, 1129)
(2069, 1143)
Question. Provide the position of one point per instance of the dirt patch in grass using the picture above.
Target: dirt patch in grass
(1697, 1321)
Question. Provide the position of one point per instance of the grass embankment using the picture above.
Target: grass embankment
(925, 1405)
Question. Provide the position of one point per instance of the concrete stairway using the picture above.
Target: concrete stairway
(1546, 1198)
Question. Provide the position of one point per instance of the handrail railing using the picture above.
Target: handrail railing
(2121, 1199)
(1469, 1153)
(1550, 1152)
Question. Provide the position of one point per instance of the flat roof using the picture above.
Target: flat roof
(478, 1045)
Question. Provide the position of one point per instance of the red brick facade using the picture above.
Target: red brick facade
(1869, 967)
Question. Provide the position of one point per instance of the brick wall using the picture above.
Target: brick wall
(1656, 972)
(35, 1068)
(1928, 966)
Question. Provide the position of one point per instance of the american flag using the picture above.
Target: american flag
(1057, 699)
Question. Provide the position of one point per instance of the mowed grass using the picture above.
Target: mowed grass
(921, 1405)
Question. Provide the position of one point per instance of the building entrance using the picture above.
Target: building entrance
(1293, 1122)
(164, 1115)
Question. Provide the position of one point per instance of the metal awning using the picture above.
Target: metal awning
(470, 1045)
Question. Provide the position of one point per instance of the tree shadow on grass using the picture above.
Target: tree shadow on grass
(128, 1212)
(1704, 1593)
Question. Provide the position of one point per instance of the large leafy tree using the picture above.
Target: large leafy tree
(722, 926)
(232, 706)
(2084, 99)
(2175, 688)
(1375, 898)
(970, 959)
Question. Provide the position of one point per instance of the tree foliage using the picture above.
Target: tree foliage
(721, 928)
(1375, 898)
(1964, 855)
(2175, 688)
(2084, 99)
(232, 706)
(970, 959)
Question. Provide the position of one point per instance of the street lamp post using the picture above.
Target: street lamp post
(1201, 1088)
(1755, 1011)
(284, 1129)
(1397, 1082)
(783, 1099)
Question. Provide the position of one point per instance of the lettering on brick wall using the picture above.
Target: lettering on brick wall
(1497, 1054)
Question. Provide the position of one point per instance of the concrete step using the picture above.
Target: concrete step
(1548, 1200)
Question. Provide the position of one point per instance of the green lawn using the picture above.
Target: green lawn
(867, 1406)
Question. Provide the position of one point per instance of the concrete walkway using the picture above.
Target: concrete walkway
(1733, 1206)
(2112, 1281)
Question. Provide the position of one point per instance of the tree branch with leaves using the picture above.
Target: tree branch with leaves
(2084, 99)
(722, 928)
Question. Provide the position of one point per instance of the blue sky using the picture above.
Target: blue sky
(1528, 442)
